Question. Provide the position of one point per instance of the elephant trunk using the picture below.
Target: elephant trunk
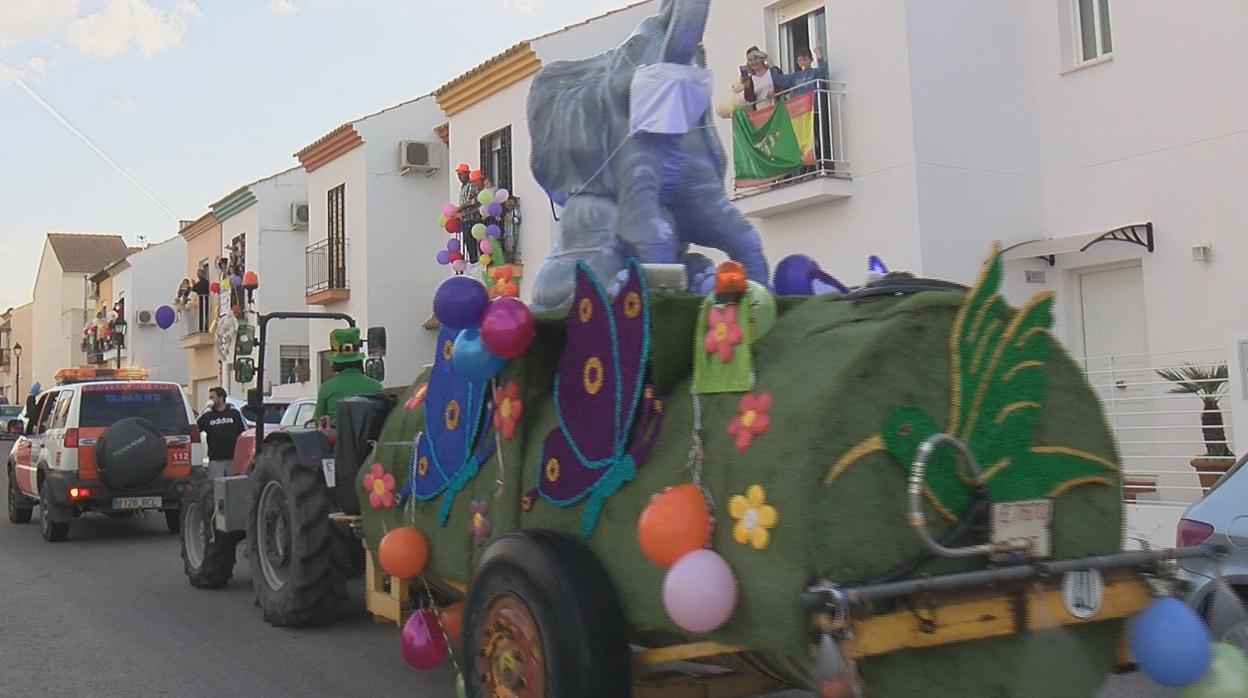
(686, 24)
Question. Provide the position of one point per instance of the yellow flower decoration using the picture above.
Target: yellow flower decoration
(755, 518)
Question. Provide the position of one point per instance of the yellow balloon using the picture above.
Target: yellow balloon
(485, 260)
(225, 283)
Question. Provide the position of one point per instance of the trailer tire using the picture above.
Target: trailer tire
(544, 594)
(298, 561)
(208, 555)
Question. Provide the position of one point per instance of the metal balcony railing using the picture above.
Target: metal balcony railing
(826, 99)
(326, 265)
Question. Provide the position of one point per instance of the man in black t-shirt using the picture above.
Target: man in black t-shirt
(220, 425)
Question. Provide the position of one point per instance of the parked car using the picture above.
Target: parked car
(1219, 586)
(107, 441)
(11, 418)
(273, 410)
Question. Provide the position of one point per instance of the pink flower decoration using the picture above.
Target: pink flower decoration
(751, 420)
(507, 409)
(380, 487)
(723, 332)
(478, 522)
(418, 397)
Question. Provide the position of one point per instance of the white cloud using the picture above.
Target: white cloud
(22, 21)
(125, 24)
(284, 7)
(121, 106)
(522, 5)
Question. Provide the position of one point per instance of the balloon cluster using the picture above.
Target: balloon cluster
(486, 235)
(1171, 644)
(490, 331)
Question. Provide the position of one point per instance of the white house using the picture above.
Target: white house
(144, 281)
(374, 190)
(264, 228)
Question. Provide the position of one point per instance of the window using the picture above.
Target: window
(296, 366)
(60, 413)
(1092, 37)
(336, 254)
(802, 25)
(496, 158)
(160, 404)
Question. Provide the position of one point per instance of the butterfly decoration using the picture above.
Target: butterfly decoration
(608, 417)
(456, 438)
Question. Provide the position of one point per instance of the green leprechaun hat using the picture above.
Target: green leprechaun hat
(344, 346)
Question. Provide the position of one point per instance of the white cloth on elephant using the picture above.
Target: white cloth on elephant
(668, 98)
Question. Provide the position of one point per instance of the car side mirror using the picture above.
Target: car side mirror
(377, 341)
(244, 370)
(375, 368)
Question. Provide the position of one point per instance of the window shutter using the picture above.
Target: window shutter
(486, 161)
(504, 159)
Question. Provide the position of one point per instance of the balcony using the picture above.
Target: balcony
(792, 163)
(6, 358)
(326, 272)
(198, 320)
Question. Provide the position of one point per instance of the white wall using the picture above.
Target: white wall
(278, 262)
(50, 329)
(150, 282)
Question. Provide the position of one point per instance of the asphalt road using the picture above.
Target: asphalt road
(109, 613)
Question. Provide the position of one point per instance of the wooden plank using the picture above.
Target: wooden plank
(677, 653)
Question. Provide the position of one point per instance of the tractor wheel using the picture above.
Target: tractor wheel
(207, 554)
(298, 561)
(20, 507)
(53, 531)
(542, 619)
(173, 520)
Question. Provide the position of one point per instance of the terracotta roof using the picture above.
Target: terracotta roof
(328, 147)
(87, 254)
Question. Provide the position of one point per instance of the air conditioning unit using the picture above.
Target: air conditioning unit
(420, 156)
(299, 215)
(145, 317)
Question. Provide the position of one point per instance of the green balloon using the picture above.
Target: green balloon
(760, 307)
(478, 231)
(486, 197)
(1227, 676)
(461, 691)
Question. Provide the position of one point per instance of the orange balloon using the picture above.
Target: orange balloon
(674, 523)
(452, 620)
(403, 552)
(730, 277)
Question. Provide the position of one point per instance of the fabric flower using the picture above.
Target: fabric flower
(755, 518)
(751, 419)
(723, 333)
(380, 487)
(417, 398)
(507, 409)
(478, 522)
(503, 282)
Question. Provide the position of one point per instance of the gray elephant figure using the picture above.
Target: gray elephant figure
(634, 193)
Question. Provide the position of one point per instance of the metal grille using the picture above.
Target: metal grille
(496, 157)
(326, 262)
(831, 159)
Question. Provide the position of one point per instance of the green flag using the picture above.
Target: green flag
(766, 150)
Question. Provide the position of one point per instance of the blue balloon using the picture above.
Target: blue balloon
(471, 359)
(165, 317)
(793, 275)
(459, 301)
(1170, 643)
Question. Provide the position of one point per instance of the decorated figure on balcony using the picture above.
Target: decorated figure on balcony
(624, 142)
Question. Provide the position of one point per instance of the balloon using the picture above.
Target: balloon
(421, 643)
(1227, 676)
(471, 359)
(459, 301)
(442, 221)
(478, 231)
(507, 327)
(494, 210)
(501, 195)
(225, 284)
(403, 552)
(214, 287)
(236, 280)
(165, 317)
(674, 524)
(1170, 643)
(485, 260)
(493, 230)
(452, 245)
(251, 280)
(449, 209)
(484, 211)
(452, 225)
(457, 256)
(700, 591)
(485, 197)
(443, 257)
(760, 307)
(452, 620)
(485, 246)
(459, 265)
(793, 275)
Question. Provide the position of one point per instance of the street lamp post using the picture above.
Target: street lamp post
(17, 380)
(119, 337)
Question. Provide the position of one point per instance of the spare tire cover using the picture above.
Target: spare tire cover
(130, 454)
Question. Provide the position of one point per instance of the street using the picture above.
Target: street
(109, 613)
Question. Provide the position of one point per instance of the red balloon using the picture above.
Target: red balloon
(251, 280)
(452, 619)
(452, 225)
(674, 523)
(455, 256)
(507, 327)
(422, 644)
(214, 287)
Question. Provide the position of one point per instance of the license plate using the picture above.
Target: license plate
(327, 467)
(137, 503)
(1030, 520)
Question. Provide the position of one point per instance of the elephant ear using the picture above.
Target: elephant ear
(569, 113)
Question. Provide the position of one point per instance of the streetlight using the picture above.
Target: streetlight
(119, 337)
(17, 381)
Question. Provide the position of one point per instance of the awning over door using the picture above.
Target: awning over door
(1136, 234)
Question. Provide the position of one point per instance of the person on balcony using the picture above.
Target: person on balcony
(202, 289)
(760, 79)
(803, 80)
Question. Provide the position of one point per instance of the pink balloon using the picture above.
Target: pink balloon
(700, 591)
(485, 245)
(422, 645)
(459, 265)
(507, 327)
(448, 209)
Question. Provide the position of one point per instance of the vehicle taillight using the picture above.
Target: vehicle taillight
(80, 492)
(1193, 532)
(194, 433)
(71, 438)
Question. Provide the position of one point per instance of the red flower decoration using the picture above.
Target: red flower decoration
(723, 333)
(504, 282)
(507, 409)
(380, 487)
(417, 398)
(751, 420)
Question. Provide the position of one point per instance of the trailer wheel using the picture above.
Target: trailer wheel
(542, 619)
(298, 562)
(207, 555)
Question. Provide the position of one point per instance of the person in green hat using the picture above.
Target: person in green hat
(348, 363)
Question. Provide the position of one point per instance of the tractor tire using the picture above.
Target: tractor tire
(53, 531)
(207, 554)
(299, 563)
(542, 619)
(20, 506)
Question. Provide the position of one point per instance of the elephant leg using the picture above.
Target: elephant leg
(586, 232)
(644, 226)
(711, 220)
(700, 272)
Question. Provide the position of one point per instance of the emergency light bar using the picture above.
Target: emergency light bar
(66, 376)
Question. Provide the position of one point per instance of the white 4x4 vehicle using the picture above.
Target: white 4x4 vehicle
(103, 440)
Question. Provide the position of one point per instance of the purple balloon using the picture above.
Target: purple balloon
(444, 257)
(422, 644)
(700, 591)
(452, 245)
(793, 275)
(495, 210)
(459, 301)
(236, 280)
(507, 327)
(165, 317)
(493, 230)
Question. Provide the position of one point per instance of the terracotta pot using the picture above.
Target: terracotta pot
(1135, 485)
(1210, 469)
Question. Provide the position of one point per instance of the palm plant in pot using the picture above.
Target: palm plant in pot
(1208, 383)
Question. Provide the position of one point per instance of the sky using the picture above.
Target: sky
(193, 98)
